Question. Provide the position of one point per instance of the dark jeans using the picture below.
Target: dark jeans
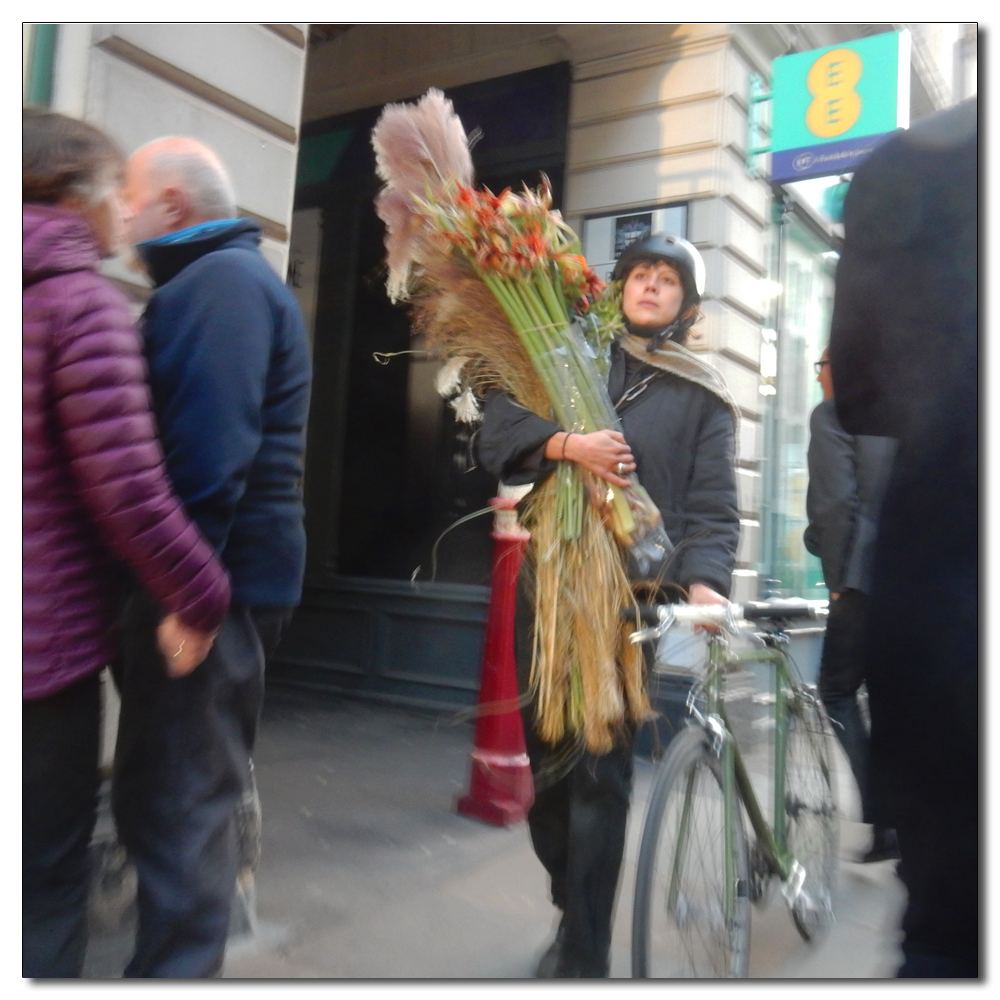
(60, 753)
(841, 673)
(182, 766)
(577, 825)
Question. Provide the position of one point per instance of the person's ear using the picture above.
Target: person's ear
(176, 205)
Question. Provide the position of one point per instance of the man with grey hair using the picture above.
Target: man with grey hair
(173, 181)
(229, 369)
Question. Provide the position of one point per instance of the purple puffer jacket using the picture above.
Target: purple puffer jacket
(94, 487)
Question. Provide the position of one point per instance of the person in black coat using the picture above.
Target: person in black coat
(847, 480)
(678, 434)
(903, 350)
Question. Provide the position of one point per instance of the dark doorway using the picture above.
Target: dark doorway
(388, 469)
(392, 451)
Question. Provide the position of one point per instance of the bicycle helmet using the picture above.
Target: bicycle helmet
(673, 250)
(681, 256)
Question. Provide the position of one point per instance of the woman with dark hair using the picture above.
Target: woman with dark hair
(95, 497)
(678, 433)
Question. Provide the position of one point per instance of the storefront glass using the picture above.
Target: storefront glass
(803, 317)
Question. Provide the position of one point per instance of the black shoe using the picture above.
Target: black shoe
(884, 846)
(548, 963)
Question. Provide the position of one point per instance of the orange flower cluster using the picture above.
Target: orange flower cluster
(514, 236)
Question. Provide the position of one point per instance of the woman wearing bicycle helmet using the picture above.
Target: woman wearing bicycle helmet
(679, 426)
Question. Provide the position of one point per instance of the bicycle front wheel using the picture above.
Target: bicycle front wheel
(810, 811)
(691, 913)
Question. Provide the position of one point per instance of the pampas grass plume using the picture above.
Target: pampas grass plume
(419, 148)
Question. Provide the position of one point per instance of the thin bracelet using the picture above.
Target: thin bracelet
(565, 439)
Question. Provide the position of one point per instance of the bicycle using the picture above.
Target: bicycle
(697, 875)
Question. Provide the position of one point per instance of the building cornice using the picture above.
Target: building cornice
(653, 55)
(122, 49)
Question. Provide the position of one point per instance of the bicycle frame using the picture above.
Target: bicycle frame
(736, 783)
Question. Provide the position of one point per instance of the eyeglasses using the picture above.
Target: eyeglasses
(818, 366)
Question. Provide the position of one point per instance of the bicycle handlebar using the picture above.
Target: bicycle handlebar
(659, 617)
(785, 609)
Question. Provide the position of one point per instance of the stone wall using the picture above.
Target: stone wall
(236, 87)
(666, 122)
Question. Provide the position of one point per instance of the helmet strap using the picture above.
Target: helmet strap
(672, 331)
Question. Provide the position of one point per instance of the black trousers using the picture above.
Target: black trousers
(923, 683)
(60, 753)
(577, 824)
(841, 674)
(940, 868)
(182, 766)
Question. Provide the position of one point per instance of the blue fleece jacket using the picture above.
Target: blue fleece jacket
(229, 368)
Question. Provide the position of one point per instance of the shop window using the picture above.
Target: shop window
(604, 237)
(806, 309)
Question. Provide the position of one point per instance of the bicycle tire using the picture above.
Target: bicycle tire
(810, 811)
(693, 938)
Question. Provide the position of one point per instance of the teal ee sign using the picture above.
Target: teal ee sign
(832, 106)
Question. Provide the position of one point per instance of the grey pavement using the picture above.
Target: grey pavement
(368, 872)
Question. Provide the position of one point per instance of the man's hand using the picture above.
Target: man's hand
(183, 648)
(604, 453)
(699, 593)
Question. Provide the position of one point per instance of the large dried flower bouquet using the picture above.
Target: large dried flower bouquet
(499, 290)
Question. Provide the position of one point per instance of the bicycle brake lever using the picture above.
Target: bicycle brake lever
(666, 615)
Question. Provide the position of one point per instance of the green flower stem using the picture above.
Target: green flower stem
(583, 375)
(569, 486)
(588, 395)
(594, 396)
(577, 414)
(569, 497)
(569, 381)
(521, 321)
(546, 335)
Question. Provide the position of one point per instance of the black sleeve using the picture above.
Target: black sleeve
(832, 495)
(879, 211)
(511, 441)
(708, 553)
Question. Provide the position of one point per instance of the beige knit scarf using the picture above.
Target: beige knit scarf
(672, 357)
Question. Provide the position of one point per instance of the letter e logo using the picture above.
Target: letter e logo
(836, 105)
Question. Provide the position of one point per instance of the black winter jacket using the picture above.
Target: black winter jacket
(682, 437)
(904, 347)
(847, 480)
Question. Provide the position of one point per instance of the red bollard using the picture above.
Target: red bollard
(501, 789)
